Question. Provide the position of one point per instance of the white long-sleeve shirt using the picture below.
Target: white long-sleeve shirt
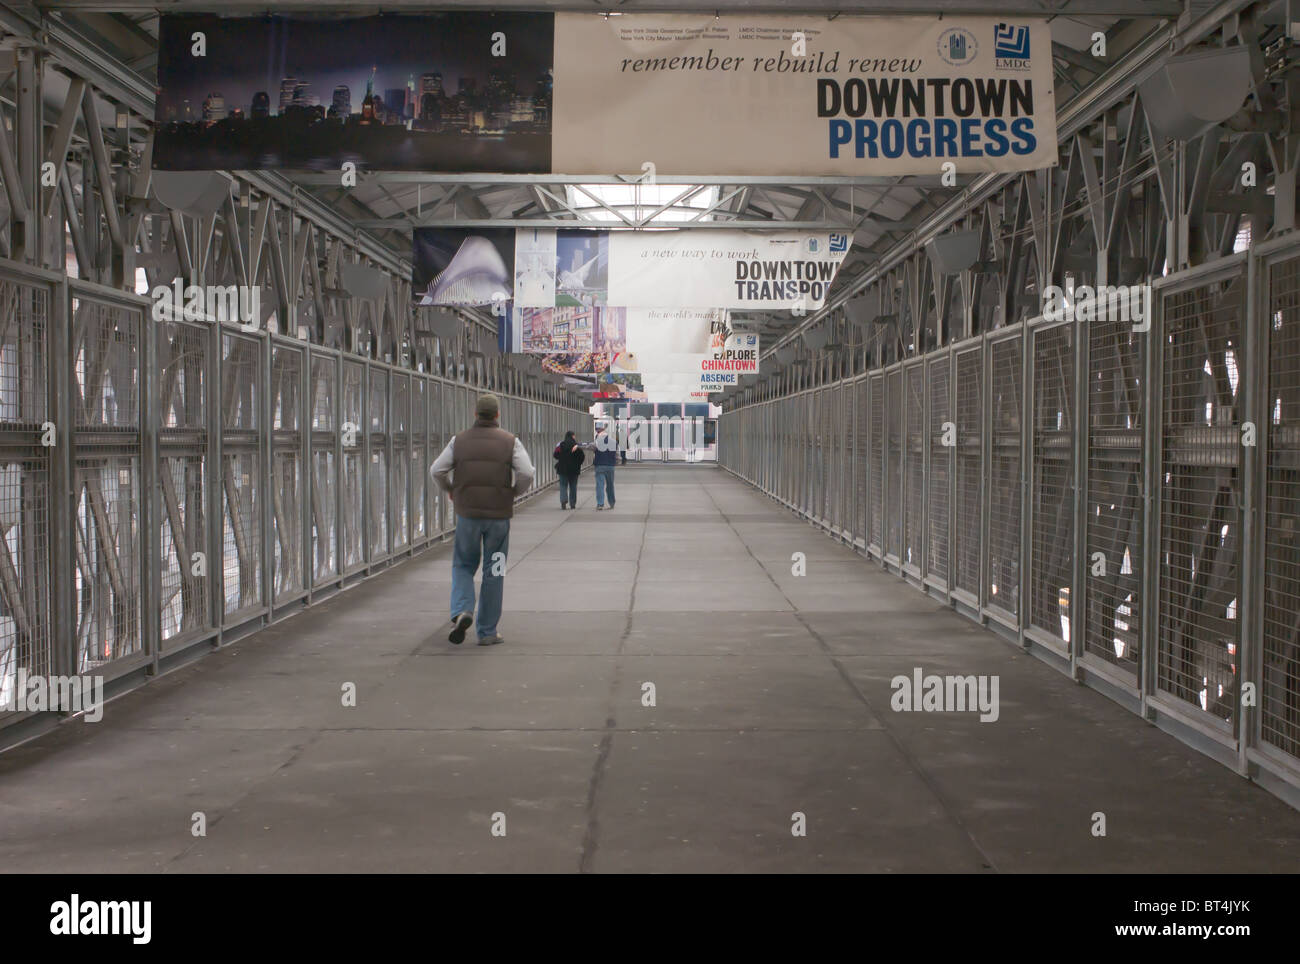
(441, 470)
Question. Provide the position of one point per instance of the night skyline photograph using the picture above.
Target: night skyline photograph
(387, 93)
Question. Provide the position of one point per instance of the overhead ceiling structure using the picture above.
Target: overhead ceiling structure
(877, 212)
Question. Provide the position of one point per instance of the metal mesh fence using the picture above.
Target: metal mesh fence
(1003, 539)
(287, 486)
(24, 330)
(894, 468)
(107, 583)
(182, 361)
(183, 480)
(437, 442)
(1280, 693)
(378, 482)
(108, 559)
(1114, 611)
(804, 477)
(25, 634)
(241, 541)
(861, 457)
(1051, 543)
(324, 482)
(184, 584)
(420, 457)
(816, 456)
(969, 458)
(216, 507)
(400, 484)
(353, 445)
(913, 464)
(24, 572)
(841, 429)
(937, 482)
(876, 487)
(1200, 497)
(1014, 512)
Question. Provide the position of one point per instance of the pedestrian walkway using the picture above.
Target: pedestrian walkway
(771, 711)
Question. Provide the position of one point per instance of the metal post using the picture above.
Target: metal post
(29, 129)
(1026, 476)
(63, 623)
(216, 470)
(306, 408)
(1253, 386)
(923, 531)
(1081, 569)
(266, 466)
(1152, 445)
(363, 477)
(950, 577)
(150, 500)
(986, 460)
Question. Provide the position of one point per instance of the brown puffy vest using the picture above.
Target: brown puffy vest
(481, 467)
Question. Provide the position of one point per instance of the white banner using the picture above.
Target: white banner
(729, 269)
(697, 371)
(676, 269)
(730, 356)
(692, 94)
(652, 332)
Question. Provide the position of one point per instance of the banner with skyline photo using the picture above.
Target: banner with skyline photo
(409, 93)
(579, 93)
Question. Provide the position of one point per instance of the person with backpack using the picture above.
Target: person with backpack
(568, 464)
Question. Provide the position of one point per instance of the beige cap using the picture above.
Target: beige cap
(488, 406)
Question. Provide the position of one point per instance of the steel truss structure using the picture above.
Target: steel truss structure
(1120, 501)
(169, 484)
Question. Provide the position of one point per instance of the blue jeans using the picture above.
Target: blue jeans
(604, 480)
(568, 490)
(479, 539)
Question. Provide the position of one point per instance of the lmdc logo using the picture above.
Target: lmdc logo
(1011, 46)
(839, 242)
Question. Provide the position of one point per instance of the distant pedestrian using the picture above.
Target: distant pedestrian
(604, 460)
(483, 469)
(568, 464)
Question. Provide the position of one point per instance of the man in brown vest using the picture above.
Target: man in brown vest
(476, 468)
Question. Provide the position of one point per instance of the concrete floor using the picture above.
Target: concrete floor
(772, 697)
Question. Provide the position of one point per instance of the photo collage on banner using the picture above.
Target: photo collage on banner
(630, 302)
(585, 330)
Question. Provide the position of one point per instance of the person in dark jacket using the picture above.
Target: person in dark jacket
(484, 468)
(568, 464)
(604, 460)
